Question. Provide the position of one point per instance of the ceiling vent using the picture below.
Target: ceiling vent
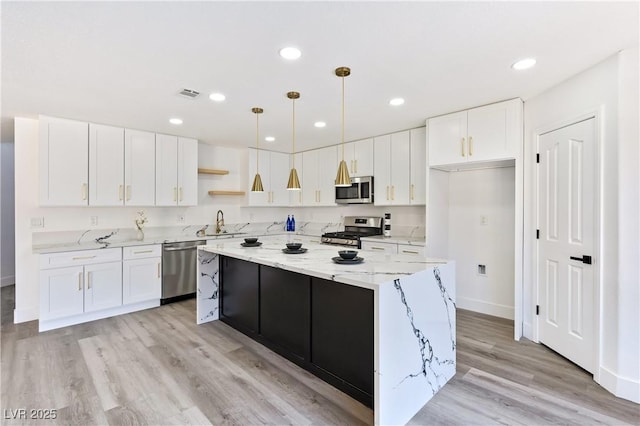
(188, 93)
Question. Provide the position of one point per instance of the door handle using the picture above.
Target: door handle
(356, 170)
(181, 248)
(180, 193)
(462, 146)
(393, 192)
(79, 281)
(470, 145)
(412, 192)
(88, 280)
(175, 194)
(584, 259)
(128, 192)
(120, 192)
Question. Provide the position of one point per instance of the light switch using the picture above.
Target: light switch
(94, 220)
(484, 220)
(37, 222)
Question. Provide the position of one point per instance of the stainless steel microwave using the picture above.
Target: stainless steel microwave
(360, 191)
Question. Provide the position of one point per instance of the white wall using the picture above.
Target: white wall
(438, 215)
(474, 194)
(77, 218)
(611, 89)
(7, 257)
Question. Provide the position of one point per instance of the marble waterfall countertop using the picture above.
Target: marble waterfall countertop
(376, 269)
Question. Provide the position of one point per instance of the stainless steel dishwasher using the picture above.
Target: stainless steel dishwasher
(179, 270)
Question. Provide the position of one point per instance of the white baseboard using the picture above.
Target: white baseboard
(494, 309)
(24, 315)
(622, 387)
(7, 280)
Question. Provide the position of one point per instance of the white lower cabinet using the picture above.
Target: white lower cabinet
(141, 274)
(389, 248)
(81, 286)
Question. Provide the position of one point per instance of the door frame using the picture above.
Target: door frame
(598, 116)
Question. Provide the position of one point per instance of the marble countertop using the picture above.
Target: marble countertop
(92, 245)
(377, 268)
(412, 241)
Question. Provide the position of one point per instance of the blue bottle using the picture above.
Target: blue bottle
(293, 223)
(288, 226)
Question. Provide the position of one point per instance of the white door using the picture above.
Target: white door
(166, 170)
(187, 172)
(139, 168)
(102, 286)
(382, 170)
(400, 163)
(141, 280)
(106, 165)
(310, 178)
(61, 292)
(418, 190)
(448, 139)
(327, 170)
(363, 157)
(566, 180)
(493, 131)
(279, 166)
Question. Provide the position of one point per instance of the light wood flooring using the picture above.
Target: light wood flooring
(157, 367)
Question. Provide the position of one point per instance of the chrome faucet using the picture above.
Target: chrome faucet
(219, 221)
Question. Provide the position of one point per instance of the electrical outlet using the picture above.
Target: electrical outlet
(37, 222)
(180, 218)
(484, 220)
(94, 220)
(482, 270)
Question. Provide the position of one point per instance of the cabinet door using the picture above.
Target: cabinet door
(106, 165)
(295, 197)
(491, 133)
(382, 170)
(103, 286)
(240, 286)
(139, 168)
(310, 178)
(363, 157)
(418, 189)
(279, 168)
(327, 170)
(285, 310)
(259, 198)
(61, 292)
(141, 280)
(448, 139)
(64, 162)
(341, 336)
(349, 156)
(400, 168)
(187, 172)
(388, 248)
(166, 180)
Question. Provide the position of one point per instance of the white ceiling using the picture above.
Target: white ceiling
(122, 63)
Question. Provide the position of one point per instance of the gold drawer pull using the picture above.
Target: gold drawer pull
(84, 191)
(377, 248)
(175, 194)
(470, 145)
(143, 251)
(410, 251)
(128, 192)
(462, 146)
(180, 193)
(393, 192)
(120, 192)
(83, 257)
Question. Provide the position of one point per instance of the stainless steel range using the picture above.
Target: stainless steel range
(354, 228)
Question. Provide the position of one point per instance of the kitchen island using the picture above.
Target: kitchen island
(383, 330)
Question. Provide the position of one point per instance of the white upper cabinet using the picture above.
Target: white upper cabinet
(318, 176)
(176, 171)
(106, 165)
(274, 171)
(139, 167)
(64, 162)
(359, 157)
(487, 133)
(418, 166)
(391, 169)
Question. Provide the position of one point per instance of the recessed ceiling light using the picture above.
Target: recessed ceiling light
(217, 97)
(290, 53)
(175, 121)
(396, 101)
(269, 139)
(320, 124)
(524, 64)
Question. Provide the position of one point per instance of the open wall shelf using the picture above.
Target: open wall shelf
(226, 192)
(213, 172)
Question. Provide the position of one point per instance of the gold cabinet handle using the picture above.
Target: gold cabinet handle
(393, 192)
(143, 251)
(356, 168)
(377, 248)
(412, 189)
(462, 146)
(175, 194)
(158, 269)
(128, 192)
(319, 195)
(387, 192)
(410, 251)
(470, 145)
(79, 281)
(180, 193)
(89, 280)
(120, 195)
(352, 167)
(84, 191)
(82, 257)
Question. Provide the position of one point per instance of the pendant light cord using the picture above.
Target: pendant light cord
(293, 130)
(257, 142)
(343, 118)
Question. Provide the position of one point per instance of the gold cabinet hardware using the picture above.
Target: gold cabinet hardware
(377, 248)
(356, 168)
(82, 257)
(462, 146)
(470, 145)
(410, 251)
(120, 192)
(88, 280)
(180, 193)
(84, 191)
(353, 170)
(412, 190)
(128, 197)
(175, 192)
(387, 192)
(319, 195)
(79, 281)
(143, 251)
(393, 192)
(158, 269)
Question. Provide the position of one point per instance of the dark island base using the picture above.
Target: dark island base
(322, 326)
